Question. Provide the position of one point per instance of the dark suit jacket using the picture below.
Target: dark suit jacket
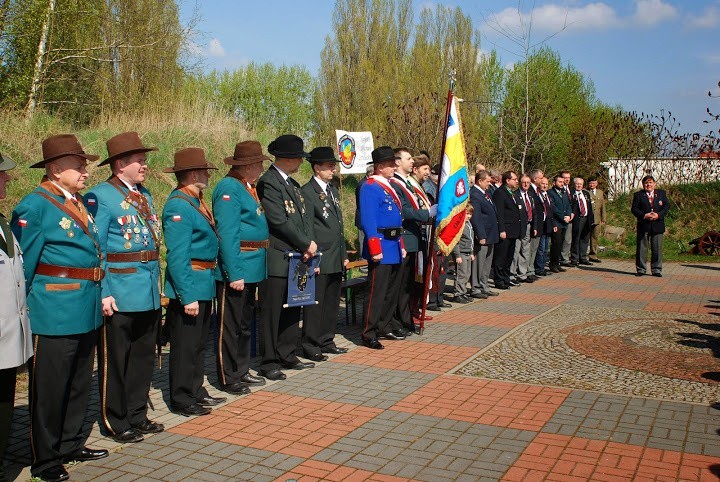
(412, 219)
(561, 207)
(549, 223)
(525, 216)
(484, 218)
(588, 206)
(327, 225)
(641, 206)
(289, 222)
(509, 216)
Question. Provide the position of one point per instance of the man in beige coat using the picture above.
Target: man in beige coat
(15, 339)
(597, 196)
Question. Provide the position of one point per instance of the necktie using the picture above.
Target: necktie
(567, 193)
(7, 244)
(80, 208)
(581, 202)
(527, 206)
(545, 205)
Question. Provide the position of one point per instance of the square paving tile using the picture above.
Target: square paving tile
(169, 456)
(313, 470)
(411, 356)
(509, 307)
(502, 404)
(355, 384)
(477, 318)
(559, 457)
(428, 448)
(278, 422)
(460, 334)
(639, 421)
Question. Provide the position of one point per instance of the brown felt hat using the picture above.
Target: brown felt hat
(124, 144)
(188, 159)
(246, 153)
(55, 147)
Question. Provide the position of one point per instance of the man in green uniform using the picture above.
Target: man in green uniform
(62, 261)
(291, 230)
(192, 250)
(243, 233)
(129, 232)
(319, 320)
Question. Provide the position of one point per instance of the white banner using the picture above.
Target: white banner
(354, 150)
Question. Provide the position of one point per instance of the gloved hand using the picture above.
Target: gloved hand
(433, 210)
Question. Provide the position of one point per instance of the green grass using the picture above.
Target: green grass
(694, 210)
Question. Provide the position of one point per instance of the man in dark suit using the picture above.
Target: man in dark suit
(536, 176)
(561, 218)
(650, 206)
(522, 256)
(291, 230)
(319, 320)
(582, 223)
(548, 227)
(510, 226)
(567, 240)
(485, 227)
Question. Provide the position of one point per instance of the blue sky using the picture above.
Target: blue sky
(644, 55)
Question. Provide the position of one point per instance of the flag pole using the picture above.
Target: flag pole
(431, 251)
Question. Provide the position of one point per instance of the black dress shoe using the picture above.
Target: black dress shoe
(533, 277)
(129, 436)
(274, 375)
(249, 379)
(374, 344)
(211, 401)
(585, 263)
(461, 299)
(561, 269)
(639, 274)
(432, 308)
(479, 296)
(657, 275)
(298, 365)
(554, 269)
(491, 293)
(53, 474)
(405, 332)
(236, 388)
(595, 260)
(318, 357)
(335, 350)
(194, 410)
(500, 286)
(540, 273)
(444, 304)
(393, 336)
(148, 426)
(87, 454)
(512, 282)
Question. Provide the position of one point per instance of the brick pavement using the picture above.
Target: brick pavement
(588, 375)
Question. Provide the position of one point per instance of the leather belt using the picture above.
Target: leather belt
(391, 234)
(254, 245)
(202, 265)
(137, 256)
(90, 274)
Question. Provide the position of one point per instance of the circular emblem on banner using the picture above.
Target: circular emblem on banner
(346, 150)
(460, 187)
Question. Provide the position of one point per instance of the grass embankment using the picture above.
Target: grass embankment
(694, 210)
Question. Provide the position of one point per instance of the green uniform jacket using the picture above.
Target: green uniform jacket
(134, 285)
(327, 225)
(239, 217)
(188, 236)
(290, 225)
(57, 306)
(413, 219)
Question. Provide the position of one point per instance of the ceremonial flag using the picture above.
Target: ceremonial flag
(454, 186)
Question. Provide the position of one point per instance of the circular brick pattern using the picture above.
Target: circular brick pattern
(658, 355)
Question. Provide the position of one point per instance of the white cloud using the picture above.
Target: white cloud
(215, 48)
(553, 18)
(653, 12)
(708, 19)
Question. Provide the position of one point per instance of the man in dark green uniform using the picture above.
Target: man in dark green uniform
(192, 250)
(243, 235)
(324, 200)
(63, 269)
(129, 232)
(291, 230)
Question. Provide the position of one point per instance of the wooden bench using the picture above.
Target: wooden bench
(351, 285)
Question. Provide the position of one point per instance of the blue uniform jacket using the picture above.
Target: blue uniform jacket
(484, 217)
(58, 306)
(188, 236)
(561, 207)
(134, 285)
(379, 210)
(239, 217)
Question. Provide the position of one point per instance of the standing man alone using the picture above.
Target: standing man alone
(650, 206)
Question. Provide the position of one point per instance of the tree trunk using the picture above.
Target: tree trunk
(40, 61)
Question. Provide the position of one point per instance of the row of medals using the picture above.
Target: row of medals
(130, 232)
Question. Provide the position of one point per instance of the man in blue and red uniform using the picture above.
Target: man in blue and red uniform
(381, 222)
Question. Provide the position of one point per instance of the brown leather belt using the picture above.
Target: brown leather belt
(254, 245)
(202, 265)
(137, 256)
(90, 274)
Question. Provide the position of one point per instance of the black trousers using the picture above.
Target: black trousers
(280, 325)
(126, 359)
(60, 376)
(502, 260)
(7, 403)
(320, 320)
(381, 300)
(188, 337)
(236, 309)
(405, 284)
(580, 239)
(556, 242)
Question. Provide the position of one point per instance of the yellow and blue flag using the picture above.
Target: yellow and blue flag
(454, 186)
